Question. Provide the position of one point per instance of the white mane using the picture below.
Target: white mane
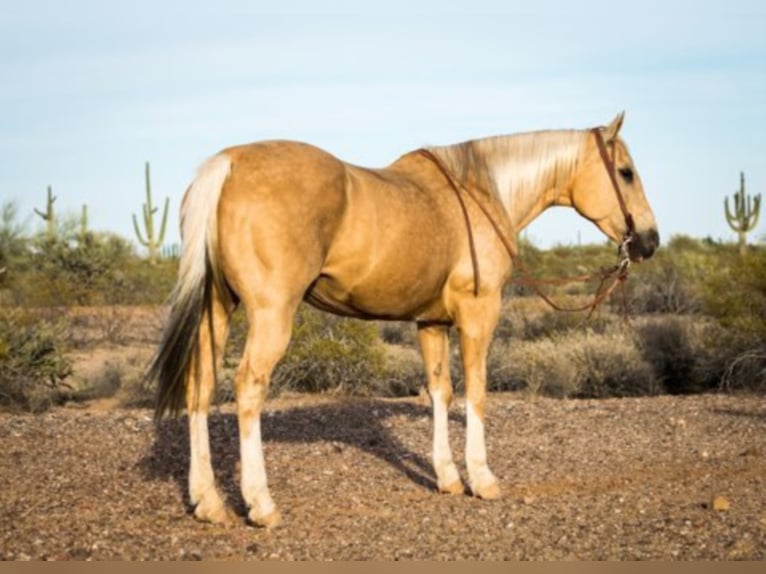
(517, 168)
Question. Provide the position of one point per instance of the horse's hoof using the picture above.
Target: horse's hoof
(270, 520)
(489, 492)
(455, 487)
(222, 515)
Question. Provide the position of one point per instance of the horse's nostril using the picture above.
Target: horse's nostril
(649, 242)
(653, 238)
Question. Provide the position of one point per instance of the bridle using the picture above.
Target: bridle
(618, 273)
(611, 169)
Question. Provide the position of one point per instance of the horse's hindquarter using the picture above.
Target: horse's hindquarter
(278, 212)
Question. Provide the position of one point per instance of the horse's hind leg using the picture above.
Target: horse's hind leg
(269, 329)
(434, 345)
(204, 496)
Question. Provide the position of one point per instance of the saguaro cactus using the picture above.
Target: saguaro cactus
(83, 235)
(153, 240)
(49, 215)
(745, 215)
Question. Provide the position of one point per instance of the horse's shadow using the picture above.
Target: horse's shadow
(356, 423)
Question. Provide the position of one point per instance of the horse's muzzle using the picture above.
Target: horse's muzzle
(643, 244)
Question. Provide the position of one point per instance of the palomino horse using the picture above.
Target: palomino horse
(275, 223)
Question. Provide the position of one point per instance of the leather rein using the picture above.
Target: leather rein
(609, 277)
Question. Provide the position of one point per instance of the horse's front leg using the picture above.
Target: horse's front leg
(476, 323)
(434, 345)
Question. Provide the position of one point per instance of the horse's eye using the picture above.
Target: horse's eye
(627, 174)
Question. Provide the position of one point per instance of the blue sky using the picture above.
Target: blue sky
(91, 90)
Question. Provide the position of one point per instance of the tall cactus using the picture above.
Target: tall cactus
(745, 215)
(153, 240)
(49, 216)
(83, 235)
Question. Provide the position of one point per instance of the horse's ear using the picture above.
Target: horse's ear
(611, 131)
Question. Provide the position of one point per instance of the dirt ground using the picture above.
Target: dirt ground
(673, 478)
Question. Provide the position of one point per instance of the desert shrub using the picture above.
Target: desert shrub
(561, 262)
(672, 281)
(33, 368)
(528, 365)
(530, 318)
(77, 269)
(735, 295)
(402, 374)
(13, 245)
(105, 384)
(329, 353)
(137, 392)
(746, 371)
(554, 322)
(679, 351)
(139, 282)
(508, 325)
(611, 365)
(326, 354)
(13, 252)
(69, 270)
(575, 364)
(398, 333)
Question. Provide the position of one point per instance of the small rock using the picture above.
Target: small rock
(721, 503)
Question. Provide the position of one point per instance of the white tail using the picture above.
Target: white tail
(199, 223)
(198, 269)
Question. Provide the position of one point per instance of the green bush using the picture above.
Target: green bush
(73, 271)
(673, 280)
(13, 251)
(329, 353)
(736, 297)
(326, 354)
(76, 268)
(559, 263)
(33, 368)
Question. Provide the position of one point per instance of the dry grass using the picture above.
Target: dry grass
(582, 364)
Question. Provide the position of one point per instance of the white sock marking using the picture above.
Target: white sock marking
(442, 454)
(255, 489)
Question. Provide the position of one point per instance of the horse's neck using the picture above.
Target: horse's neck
(526, 172)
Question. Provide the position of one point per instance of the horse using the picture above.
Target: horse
(428, 239)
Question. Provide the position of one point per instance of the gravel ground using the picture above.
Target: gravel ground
(673, 478)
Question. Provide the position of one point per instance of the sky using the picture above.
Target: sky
(91, 90)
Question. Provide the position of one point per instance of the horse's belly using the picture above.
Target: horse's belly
(384, 297)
